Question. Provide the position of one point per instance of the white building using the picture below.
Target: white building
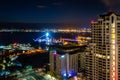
(67, 62)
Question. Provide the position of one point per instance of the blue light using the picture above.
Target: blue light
(14, 58)
(64, 75)
(70, 75)
(47, 34)
(62, 56)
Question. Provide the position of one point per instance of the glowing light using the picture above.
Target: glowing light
(113, 31)
(65, 43)
(70, 75)
(47, 34)
(62, 56)
(47, 48)
(113, 36)
(14, 58)
(54, 54)
(64, 75)
(108, 57)
(75, 78)
(2, 46)
(113, 63)
(92, 21)
(113, 41)
(23, 51)
(113, 47)
(15, 44)
(113, 57)
(45, 38)
(113, 25)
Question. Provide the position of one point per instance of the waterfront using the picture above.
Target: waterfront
(27, 37)
(59, 40)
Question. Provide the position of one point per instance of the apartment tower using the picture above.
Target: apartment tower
(103, 53)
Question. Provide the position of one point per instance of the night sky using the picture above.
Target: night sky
(55, 11)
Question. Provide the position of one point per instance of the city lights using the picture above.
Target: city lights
(55, 40)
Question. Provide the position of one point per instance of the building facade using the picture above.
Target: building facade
(103, 54)
(67, 64)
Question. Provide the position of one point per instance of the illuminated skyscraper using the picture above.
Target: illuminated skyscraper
(103, 56)
(67, 61)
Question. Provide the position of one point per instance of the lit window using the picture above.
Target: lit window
(113, 47)
(113, 30)
(113, 41)
(113, 52)
(113, 74)
(108, 57)
(113, 25)
(112, 35)
(113, 63)
(113, 68)
(107, 27)
(113, 57)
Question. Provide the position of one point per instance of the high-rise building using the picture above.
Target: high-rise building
(103, 54)
(67, 61)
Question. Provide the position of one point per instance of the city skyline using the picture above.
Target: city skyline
(60, 40)
(55, 11)
(60, 51)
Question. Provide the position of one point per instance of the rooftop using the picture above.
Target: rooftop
(69, 49)
(108, 14)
